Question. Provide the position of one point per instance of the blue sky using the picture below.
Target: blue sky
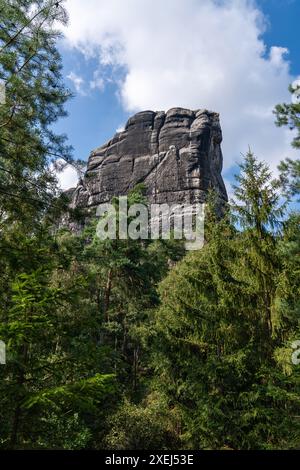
(93, 116)
(283, 30)
(113, 63)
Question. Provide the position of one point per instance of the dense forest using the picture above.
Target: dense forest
(134, 344)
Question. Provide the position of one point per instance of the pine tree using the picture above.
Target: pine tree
(30, 72)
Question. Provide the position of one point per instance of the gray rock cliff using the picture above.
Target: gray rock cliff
(177, 155)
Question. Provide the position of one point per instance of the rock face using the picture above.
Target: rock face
(177, 155)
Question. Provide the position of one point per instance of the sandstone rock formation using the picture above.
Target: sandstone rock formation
(177, 155)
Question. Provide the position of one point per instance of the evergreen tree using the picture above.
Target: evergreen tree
(56, 373)
(30, 71)
(289, 115)
(219, 342)
(52, 377)
(126, 274)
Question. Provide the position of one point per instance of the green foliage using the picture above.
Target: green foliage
(30, 70)
(75, 312)
(124, 344)
(289, 115)
(290, 176)
(223, 331)
(86, 395)
(149, 425)
(134, 344)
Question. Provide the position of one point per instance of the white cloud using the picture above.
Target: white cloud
(77, 81)
(68, 178)
(66, 175)
(277, 57)
(196, 54)
(97, 82)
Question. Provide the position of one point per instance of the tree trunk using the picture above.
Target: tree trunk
(107, 296)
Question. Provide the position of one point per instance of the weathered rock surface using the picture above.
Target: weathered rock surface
(177, 155)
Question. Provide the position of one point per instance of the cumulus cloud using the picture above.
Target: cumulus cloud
(195, 54)
(67, 176)
(77, 81)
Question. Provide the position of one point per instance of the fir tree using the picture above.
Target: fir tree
(218, 342)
